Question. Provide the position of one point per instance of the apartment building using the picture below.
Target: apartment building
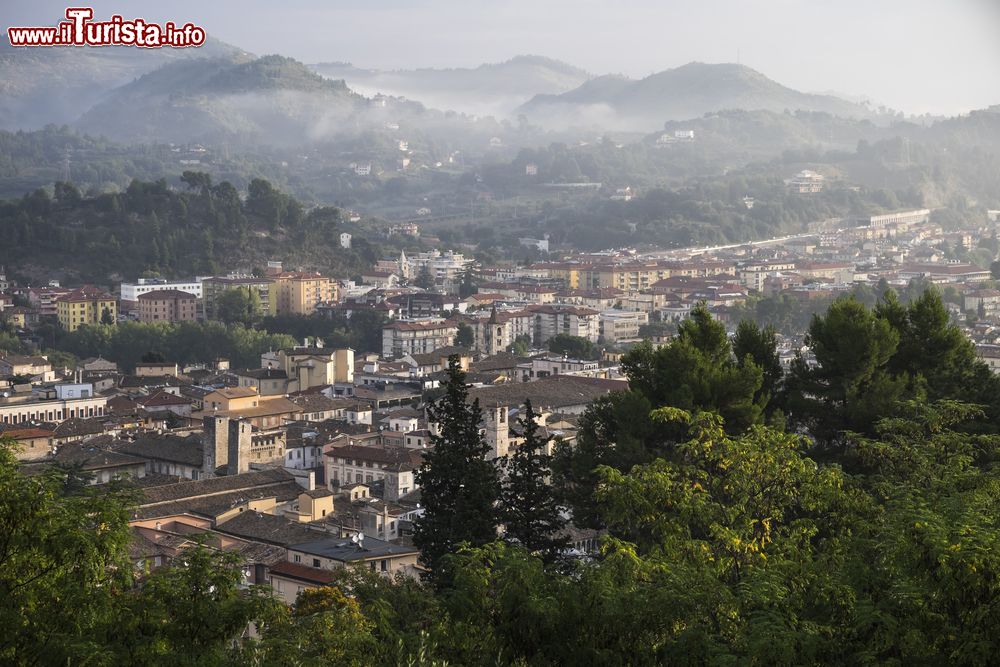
(21, 410)
(299, 292)
(552, 320)
(212, 288)
(167, 305)
(43, 299)
(417, 337)
(86, 305)
(130, 292)
(621, 325)
(306, 367)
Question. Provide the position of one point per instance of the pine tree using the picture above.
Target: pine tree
(530, 513)
(459, 487)
(424, 279)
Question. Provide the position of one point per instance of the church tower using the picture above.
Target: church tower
(497, 430)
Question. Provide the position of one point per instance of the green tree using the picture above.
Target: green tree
(759, 346)
(267, 203)
(63, 565)
(521, 345)
(615, 431)
(107, 317)
(459, 487)
(424, 279)
(529, 510)
(696, 371)
(851, 385)
(468, 285)
(324, 627)
(238, 306)
(193, 611)
(465, 337)
(575, 347)
(934, 350)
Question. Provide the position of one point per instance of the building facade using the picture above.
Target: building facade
(417, 337)
(167, 305)
(298, 292)
(213, 288)
(86, 305)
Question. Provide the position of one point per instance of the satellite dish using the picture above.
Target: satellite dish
(354, 538)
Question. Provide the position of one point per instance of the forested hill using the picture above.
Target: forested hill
(270, 100)
(684, 92)
(41, 86)
(203, 229)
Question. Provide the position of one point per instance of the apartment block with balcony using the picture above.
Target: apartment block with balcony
(86, 305)
(416, 337)
(552, 320)
(298, 292)
(213, 288)
(167, 305)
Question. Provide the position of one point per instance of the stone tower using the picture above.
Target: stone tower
(239, 438)
(497, 430)
(226, 445)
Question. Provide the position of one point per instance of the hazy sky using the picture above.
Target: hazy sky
(940, 56)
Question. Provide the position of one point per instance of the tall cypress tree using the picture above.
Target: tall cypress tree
(459, 487)
(529, 510)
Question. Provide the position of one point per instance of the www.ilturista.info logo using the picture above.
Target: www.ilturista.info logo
(79, 30)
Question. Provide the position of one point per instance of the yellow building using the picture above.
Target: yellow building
(298, 292)
(231, 398)
(86, 305)
(308, 367)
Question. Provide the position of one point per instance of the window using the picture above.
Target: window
(315, 562)
(298, 558)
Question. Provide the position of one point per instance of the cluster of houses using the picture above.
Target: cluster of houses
(308, 462)
(301, 466)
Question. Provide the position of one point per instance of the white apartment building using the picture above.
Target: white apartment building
(416, 337)
(14, 411)
(446, 267)
(551, 320)
(622, 325)
(131, 291)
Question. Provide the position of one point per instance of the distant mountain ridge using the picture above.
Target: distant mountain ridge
(491, 88)
(269, 100)
(56, 85)
(689, 91)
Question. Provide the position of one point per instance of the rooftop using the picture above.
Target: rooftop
(345, 551)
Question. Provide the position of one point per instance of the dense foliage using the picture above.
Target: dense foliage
(874, 540)
(183, 342)
(151, 227)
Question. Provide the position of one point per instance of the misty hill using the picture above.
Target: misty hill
(270, 100)
(689, 91)
(39, 86)
(490, 89)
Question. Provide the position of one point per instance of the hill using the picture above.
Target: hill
(270, 100)
(689, 91)
(42, 86)
(489, 89)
